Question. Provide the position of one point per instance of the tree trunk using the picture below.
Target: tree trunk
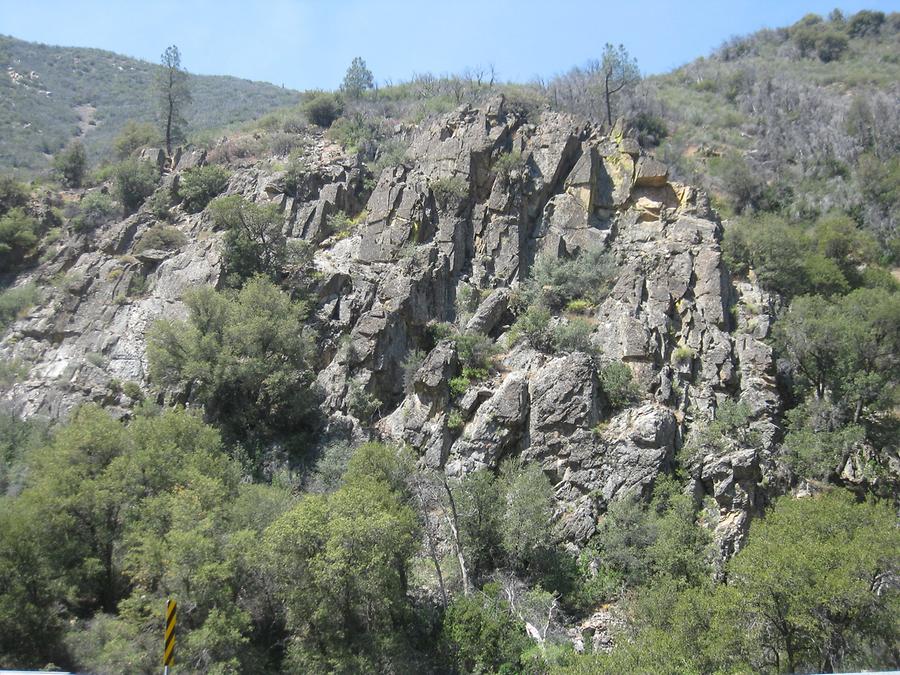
(608, 94)
(452, 521)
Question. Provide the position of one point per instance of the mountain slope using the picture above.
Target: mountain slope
(50, 95)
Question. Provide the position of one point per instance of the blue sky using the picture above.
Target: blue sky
(309, 43)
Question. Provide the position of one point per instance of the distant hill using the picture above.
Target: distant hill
(50, 95)
(788, 118)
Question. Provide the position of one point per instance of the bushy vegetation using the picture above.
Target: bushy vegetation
(135, 180)
(246, 357)
(322, 109)
(356, 133)
(133, 137)
(449, 190)
(580, 282)
(19, 234)
(200, 185)
(94, 210)
(800, 596)
(15, 301)
(116, 90)
(12, 194)
(70, 164)
(161, 238)
(254, 241)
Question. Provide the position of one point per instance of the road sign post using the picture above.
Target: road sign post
(169, 643)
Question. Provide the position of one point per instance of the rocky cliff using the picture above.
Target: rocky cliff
(447, 219)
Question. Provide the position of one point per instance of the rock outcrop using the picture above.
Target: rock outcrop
(447, 218)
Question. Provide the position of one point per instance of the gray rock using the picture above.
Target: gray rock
(489, 312)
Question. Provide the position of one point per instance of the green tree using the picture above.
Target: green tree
(846, 349)
(246, 357)
(526, 528)
(71, 164)
(619, 71)
(481, 634)
(174, 96)
(811, 584)
(342, 570)
(624, 537)
(12, 194)
(30, 626)
(18, 235)
(254, 239)
(358, 79)
(479, 509)
(818, 442)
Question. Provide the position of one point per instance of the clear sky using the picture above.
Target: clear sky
(309, 43)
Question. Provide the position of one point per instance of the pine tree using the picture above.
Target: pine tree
(174, 96)
(358, 79)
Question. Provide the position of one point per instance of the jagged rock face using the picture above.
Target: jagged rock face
(444, 219)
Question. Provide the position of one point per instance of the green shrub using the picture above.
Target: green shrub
(509, 162)
(135, 181)
(527, 523)
(830, 46)
(618, 385)
(474, 374)
(18, 235)
(741, 182)
(161, 238)
(200, 185)
(455, 422)
(573, 335)
(135, 135)
(533, 326)
(362, 404)
(12, 194)
(283, 144)
(339, 225)
(14, 302)
(556, 282)
(133, 391)
(411, 364)
(354, 133)
(95, 359)
(481, 634)
(159, 203)
(865, 23)
(684, 354)
(294, 173)
(475, 350)
(390, 153)
(70, 164)
(322, 109)
(247, 357)
(137, 285)
(96, 209)
(579, 306)
(815, 447)
(449, 190)
(254, 240)
(651, 129)
(459, 386)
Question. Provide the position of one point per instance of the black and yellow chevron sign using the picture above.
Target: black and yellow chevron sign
(169, 650)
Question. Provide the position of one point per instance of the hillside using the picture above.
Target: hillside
(455, 377)
(50, 95)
